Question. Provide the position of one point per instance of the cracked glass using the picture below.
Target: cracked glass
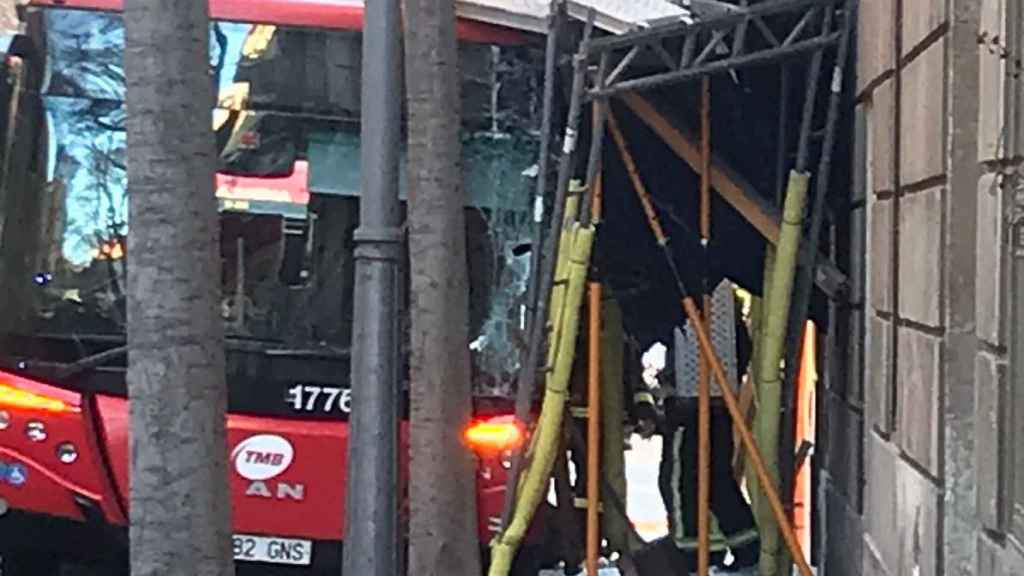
(286, 125)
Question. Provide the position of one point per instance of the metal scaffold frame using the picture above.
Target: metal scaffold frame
(673, 53)
(688, 51)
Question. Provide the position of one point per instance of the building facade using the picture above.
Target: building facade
(925, 428)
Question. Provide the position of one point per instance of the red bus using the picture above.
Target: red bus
(287, 130)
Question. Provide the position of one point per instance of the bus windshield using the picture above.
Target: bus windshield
(286, 123)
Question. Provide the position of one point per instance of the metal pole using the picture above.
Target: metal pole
(810, 97)
(704, 399)
(599, 108)
(781, 155)
(804, 284)
(371, 546)
(524, 394)
(594, 401)
(544, 155)
(549, 257)
(771, 415)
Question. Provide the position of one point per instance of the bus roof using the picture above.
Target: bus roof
(331, 14)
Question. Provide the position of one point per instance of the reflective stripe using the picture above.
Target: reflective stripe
(743, 538)
(678, 532)
(582, 504)
(716, 544)
(643, 398)
(579, 412)
(719, 544)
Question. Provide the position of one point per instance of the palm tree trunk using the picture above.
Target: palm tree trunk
(442, 491)
(180, 508)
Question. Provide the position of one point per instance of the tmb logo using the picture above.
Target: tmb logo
(262, 457)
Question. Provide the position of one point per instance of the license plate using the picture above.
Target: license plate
(273, 550)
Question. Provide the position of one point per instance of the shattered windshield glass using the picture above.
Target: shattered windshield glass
(287, 132)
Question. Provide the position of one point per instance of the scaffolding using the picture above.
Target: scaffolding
(623, 68)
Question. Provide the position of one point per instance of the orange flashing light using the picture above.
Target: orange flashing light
(112, 250)
(11, 397)
(492, 436)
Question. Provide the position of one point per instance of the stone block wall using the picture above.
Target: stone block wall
(941, 127)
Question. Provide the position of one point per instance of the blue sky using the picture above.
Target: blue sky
(85, 84)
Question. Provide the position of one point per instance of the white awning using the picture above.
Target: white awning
(614, 16)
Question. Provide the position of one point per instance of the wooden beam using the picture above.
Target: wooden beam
(730, 185)
(725, 181)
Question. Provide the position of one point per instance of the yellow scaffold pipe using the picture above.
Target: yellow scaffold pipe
(566, 299)
(779, 292)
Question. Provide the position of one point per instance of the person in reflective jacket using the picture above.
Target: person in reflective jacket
(732, 515)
